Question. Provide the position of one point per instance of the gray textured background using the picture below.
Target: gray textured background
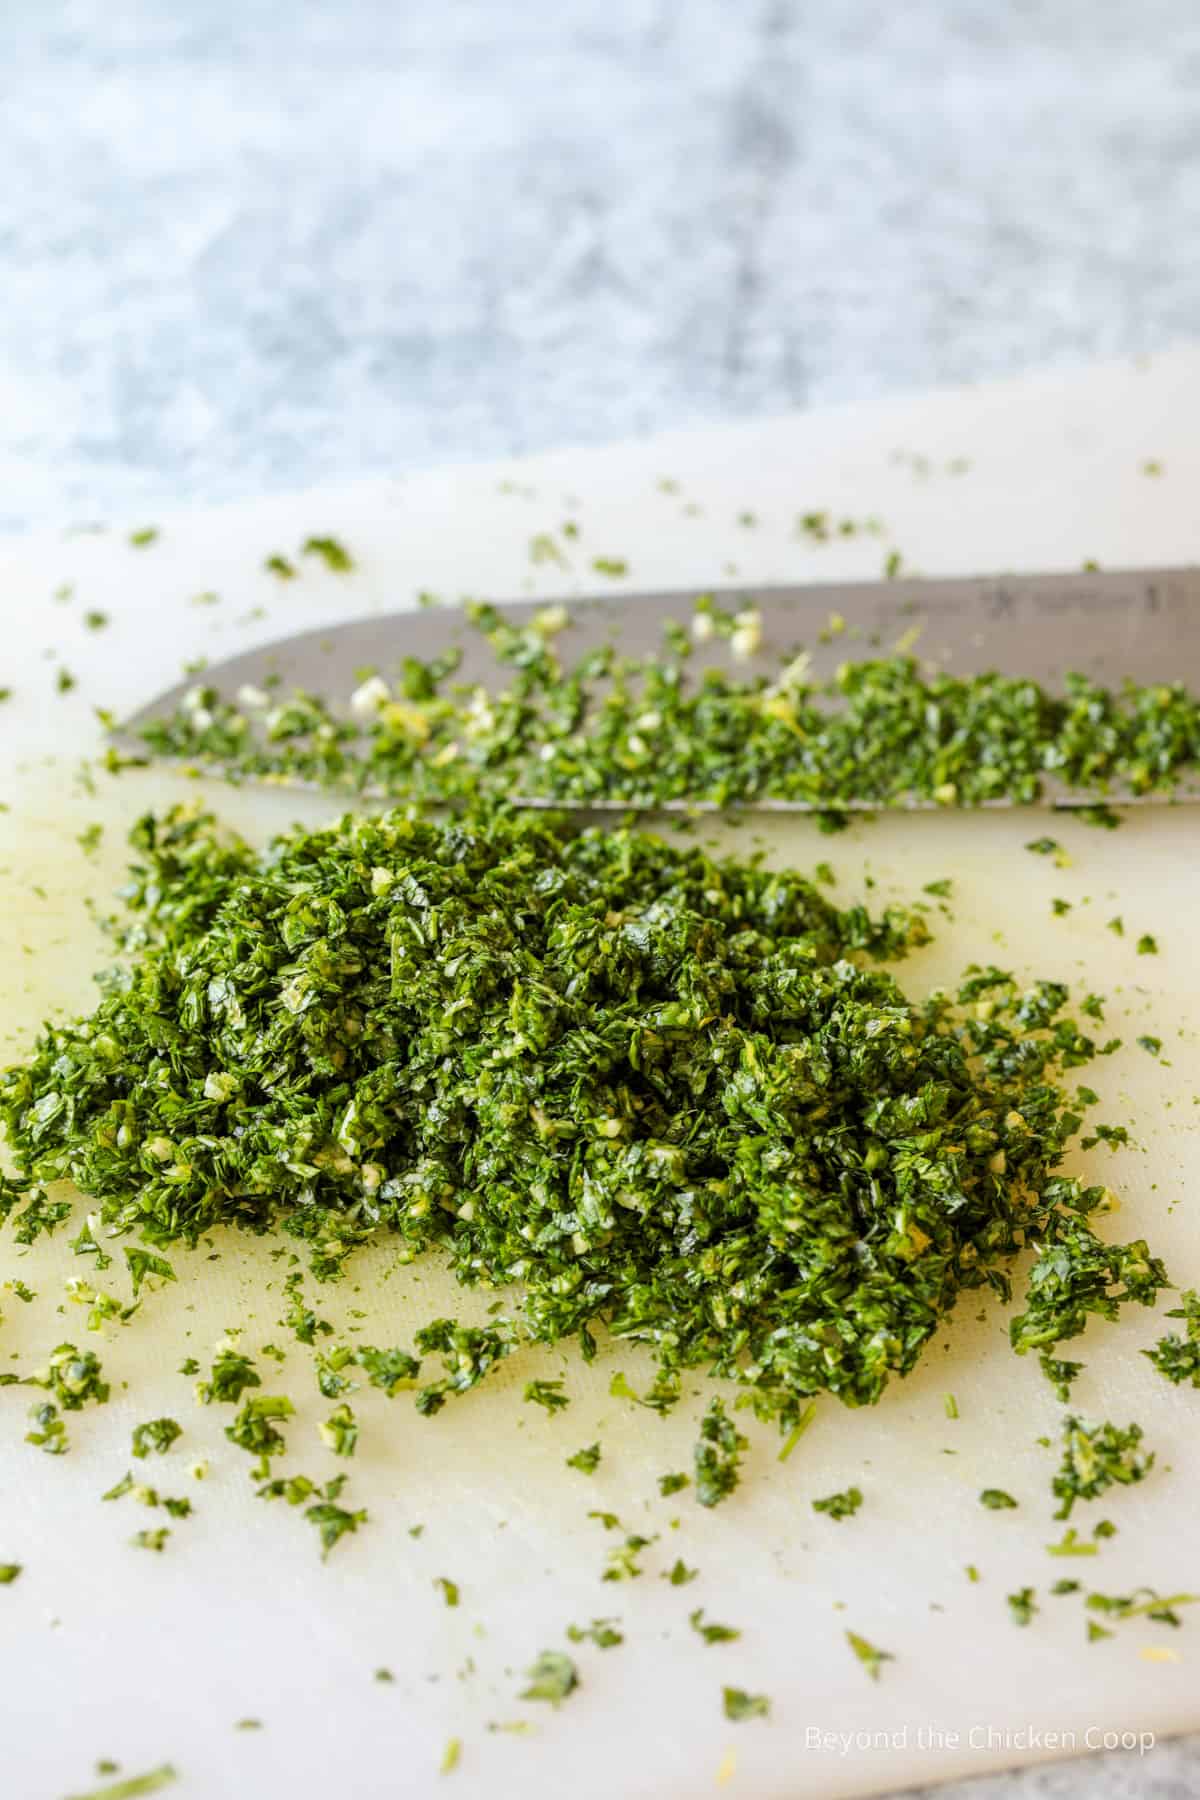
(248, 245)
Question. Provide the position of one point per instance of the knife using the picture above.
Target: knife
(1139, 624)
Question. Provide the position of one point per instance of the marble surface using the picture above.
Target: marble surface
(247, 247)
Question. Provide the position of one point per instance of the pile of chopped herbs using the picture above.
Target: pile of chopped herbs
(644, 731)
(673, 1097)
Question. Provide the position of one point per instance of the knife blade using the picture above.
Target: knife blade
(1111, 625)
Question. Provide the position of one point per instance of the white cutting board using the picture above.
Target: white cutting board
(111, 1651)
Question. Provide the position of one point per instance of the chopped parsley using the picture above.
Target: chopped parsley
(49, 1431)
(1095, 1458)
(872, 1659)
(718, 1455)
(649, 1057)
(143, 1264)
(622, 1563)
(997, 1499)
(232, 1374)
(546, 1394)
(332, 1523)
(333, 554)
(73, 1377)
(738, 1705)
(339, 1432)
(1177, 1358)
(587, 1460)
(1071, 1544)
(712, 1633)
(601, 1632)
(552, 1678)
(130, 1787)
(157, 1435)
(391, 1370)
(644, 731)
(1059, 1373)
(451, 1756)
(1022, 1606)
(253, 1430)
(840, 1506)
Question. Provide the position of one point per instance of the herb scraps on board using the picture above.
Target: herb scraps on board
(639, 1088)
(644, 1093)
(644, 731)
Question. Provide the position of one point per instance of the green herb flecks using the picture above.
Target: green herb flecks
(712, 1633)
(144, 1265)
(1059, 1373)
(232, 1374)
(1071, 1544)
(339, 1432)
(49, 1431)
(1095, 1458)
(552, 1678)
(546, 1394)
(738, 1705)
(622, 1563)
(155, 1434)
(871, 1658)
(718, 1455)
(601, 1632)
(333, 1522)
(451, 1756)
(132, 1787)
(1143, 1603)
(646, 730)
(840, 1506)
(333, 554)
(73, 1377)
(1022, 1606)
(1076, 1274)
(254, 1429)
(1178, 1358)
(395, 1371)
